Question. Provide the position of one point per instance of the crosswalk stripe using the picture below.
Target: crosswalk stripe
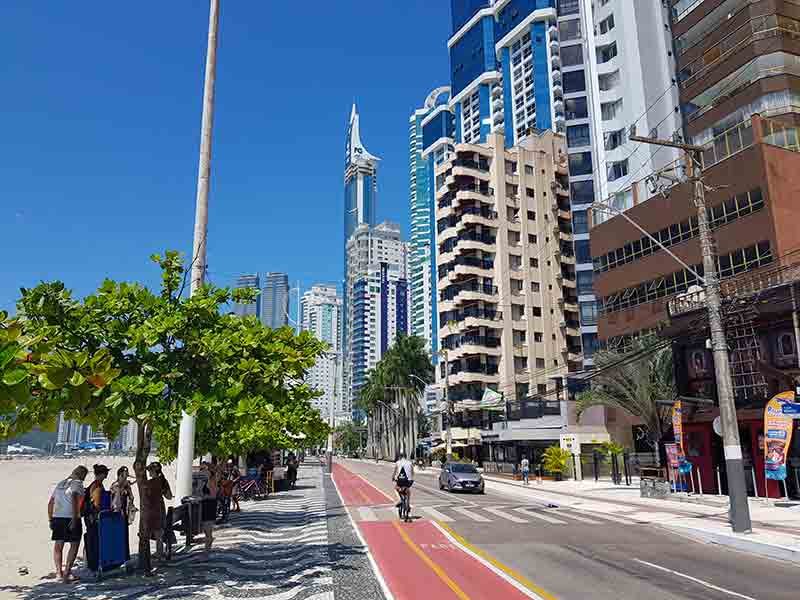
(570, 515)
(505, 515)
(614, 518)
(435, 514)
(471, 515)
(365, 513)
(539, 515)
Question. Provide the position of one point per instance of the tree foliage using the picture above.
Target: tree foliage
(347, 438)
(126, 353)
(634, 382)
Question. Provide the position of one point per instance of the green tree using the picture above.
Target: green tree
(555, 459)
(635, 382)
(126, 353)
(391, 396)
(347, 438)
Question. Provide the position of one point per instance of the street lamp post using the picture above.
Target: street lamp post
(331, 405)
(448, 435)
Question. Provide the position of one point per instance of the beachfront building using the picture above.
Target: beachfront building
(320, 309)
(377, 311)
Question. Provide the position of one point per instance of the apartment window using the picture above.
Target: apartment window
(518, 312)
(511, 190)
(528, 170)
(572, 55)
(541, 388)
(568, 7)
(540, 363)
(588, 313)
(614, 139)
(584, 282)
(531, 238)
(511, 166)
(569, 31)
(589, 343)
(535, 263)
(580, 163)
(607, 24)
(617, 170)
(574, 81)
(580, 221)
(538, 336)
(608, 81)
(515, 262)
(583, 252)
(606, 53)
(535, 287)
(537, 311)
(516, 286)
(576, 108)
(530, 193)
(609, 110)
(578, 135)
(531, 215)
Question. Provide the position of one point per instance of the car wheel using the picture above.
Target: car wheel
(450, 487)
(441, 487)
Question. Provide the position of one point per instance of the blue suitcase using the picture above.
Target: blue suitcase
(112, 541)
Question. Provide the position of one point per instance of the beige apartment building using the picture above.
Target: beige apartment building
(508, 305)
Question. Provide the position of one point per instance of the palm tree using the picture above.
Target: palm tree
(389, 396)
(635, 382)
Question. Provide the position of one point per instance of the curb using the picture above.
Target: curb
(739, 542)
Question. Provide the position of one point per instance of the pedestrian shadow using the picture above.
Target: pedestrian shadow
(272, 568)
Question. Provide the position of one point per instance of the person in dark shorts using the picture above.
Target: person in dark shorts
(92, 505)
(403, 476)
(208, 505)
(63, 511)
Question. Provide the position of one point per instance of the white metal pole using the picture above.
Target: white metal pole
(183, 485)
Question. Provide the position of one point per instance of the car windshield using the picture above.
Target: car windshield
(457, 468)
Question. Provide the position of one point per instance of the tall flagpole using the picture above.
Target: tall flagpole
(198, 266)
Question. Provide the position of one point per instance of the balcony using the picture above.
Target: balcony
(454, 342)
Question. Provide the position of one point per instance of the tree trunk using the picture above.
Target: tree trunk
(144, 440)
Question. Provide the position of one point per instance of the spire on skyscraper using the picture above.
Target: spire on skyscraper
(356, 152)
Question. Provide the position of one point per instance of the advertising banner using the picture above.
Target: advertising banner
(778, 424)
(672, 455)
(677, 427)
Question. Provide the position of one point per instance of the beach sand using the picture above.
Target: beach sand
(25, 532)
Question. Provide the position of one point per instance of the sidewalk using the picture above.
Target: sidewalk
(277, 548)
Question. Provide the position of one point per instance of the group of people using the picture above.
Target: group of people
(72, 501)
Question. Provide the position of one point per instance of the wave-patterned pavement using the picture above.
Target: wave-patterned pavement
(275, 549)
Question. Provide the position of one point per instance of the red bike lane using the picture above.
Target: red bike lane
(421, 560)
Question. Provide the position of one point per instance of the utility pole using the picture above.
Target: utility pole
(734, 467)
(198, 266)
(448, 435)
(330, 410)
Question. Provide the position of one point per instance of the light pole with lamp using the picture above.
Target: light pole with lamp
(331, 405)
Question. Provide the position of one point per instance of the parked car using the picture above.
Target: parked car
(462, 477)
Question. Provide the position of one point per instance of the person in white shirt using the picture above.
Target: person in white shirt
(63, 512)
(403, 476)
(526, 470)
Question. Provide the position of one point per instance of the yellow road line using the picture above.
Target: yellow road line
(496, 563)
(434, 567)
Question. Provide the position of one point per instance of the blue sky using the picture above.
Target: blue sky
(100, 119)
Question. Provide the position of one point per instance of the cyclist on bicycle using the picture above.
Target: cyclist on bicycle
(403, 476)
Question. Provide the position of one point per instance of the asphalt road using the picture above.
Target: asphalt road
(576, 554)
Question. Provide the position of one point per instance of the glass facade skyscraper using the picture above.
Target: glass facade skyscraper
(420, 251)
(275, 300)
(252, 309)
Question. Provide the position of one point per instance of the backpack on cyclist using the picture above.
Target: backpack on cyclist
(402, 477)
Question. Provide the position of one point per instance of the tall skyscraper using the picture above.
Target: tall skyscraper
(275, 300)
(321, 308)
(378, 307)
(360, 180)
(420, 255)
(252, 309)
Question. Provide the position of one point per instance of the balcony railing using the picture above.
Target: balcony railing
(452, 291)
(471, 164)
(759, 28)
(456, 341)
(457, 316)
(480, 369)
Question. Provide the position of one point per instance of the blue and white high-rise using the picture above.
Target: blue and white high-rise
(360, 180)
(378, 309)
(275, 300)
(252, 309)
(420, 251)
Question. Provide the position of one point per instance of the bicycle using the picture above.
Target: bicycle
(404, 510)
(250, 490)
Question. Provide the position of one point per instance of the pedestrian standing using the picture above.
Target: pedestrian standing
(122, 501)
(234, 476)
(208, 505)
(157, 489)
(93, 503)
(63, 512)
(526, 470)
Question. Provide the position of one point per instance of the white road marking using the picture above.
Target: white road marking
(614, 518)
(435, 514)
(570, 515)
(540, 515)
(366, 513)
(505, 515)
(710, 586)
(470, 515)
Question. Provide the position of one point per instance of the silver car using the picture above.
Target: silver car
(461, 477)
